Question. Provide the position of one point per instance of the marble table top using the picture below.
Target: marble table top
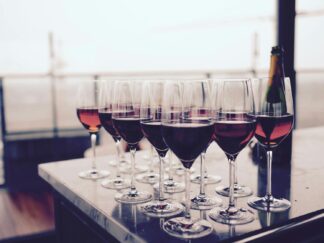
(301, 183)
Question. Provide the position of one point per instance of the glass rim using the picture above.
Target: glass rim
(266, 77)
(230, 79)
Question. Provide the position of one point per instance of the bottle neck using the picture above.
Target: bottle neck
(277, 71)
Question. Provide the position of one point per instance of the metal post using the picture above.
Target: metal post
(51, 75)
(3, 134)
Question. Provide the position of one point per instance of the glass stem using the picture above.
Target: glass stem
(205, 175)
(118, 157)
(202, 177)
(235, 175)
(170, 167)
(93, 137)
(133, 188)
(269, 169)
(187, 213)
(231, 203)
(161, 194)
(151, 160)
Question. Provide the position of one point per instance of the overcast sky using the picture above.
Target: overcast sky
(111, 35)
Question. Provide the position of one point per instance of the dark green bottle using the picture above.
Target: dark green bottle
(275, 101)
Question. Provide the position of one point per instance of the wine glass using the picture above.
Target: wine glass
(87, 112)
(105, 116)
(239, 190)
(151, 126)
(170, 185)
(203, 201)
(234, 127)
(126, 120)
(275, 119)
(187, 135)
(149, 177)
(207, 178)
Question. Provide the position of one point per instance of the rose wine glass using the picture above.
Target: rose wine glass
(105, 116)
(239, 189)
(126, 120)
(275, 119)
(187, 136)
(151, 126)
(87, 112)
(234, 127)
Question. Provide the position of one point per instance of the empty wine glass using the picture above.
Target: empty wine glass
(187, 135)
(126, 120)
(105, 116)
(151, 126)
(87, 112)
(234, 128)
(275, 118)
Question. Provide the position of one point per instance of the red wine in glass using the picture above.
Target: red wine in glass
(271, 130)
(274, 114)
(89, 118)
(129, 129)
(106, 121)
(126, 120)
(233, 135)
(187, 133)
(152, 131)
(188, 140)
(234, 128)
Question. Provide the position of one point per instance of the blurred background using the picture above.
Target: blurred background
(48, 46)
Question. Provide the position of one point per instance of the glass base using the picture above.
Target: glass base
(239, 191)
(181, 170)
(138, 169)
(269, 204)
(116, 183)
(156, 162)
(209, 179)
(203, 202)
(133, 197)
(231, 216)
(148, 178)
(162, 209)
(121, 163)
(171, 186)
(184, 228)
(94, 174)
(146, 156)
(112, 162)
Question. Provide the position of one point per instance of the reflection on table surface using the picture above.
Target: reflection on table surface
(298, 181)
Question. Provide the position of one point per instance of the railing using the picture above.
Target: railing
(60, 87)
(50, 97)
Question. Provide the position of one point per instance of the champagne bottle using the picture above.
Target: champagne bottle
(275, 101)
